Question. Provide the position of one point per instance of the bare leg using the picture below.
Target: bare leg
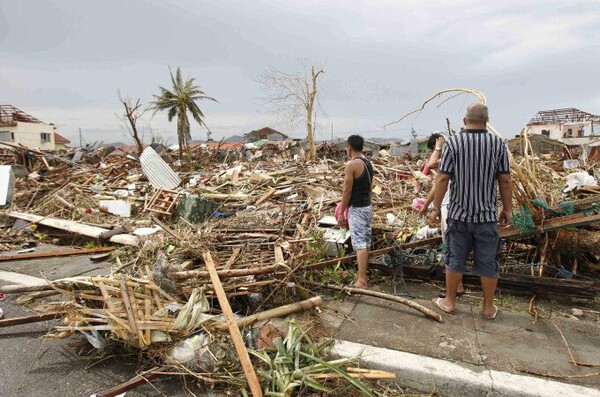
(362, 257)
(453, 280)
(488, 285)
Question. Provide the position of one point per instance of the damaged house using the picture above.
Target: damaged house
(570, 126)
(20, 128)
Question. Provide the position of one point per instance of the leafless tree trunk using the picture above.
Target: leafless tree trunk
(294, 96)
(133, 111)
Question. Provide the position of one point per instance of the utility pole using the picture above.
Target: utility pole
(331, 132)
(80, 138)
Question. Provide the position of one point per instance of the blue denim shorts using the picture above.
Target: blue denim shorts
(481, 238)
(359, 221)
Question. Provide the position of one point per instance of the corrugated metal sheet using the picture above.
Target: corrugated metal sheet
(158, 172)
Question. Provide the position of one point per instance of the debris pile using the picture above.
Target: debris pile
(254, 223)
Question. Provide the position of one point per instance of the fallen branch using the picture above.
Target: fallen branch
(413, 305)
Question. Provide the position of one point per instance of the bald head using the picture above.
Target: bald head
(477, 113)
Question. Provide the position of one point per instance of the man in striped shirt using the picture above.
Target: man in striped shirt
(474, 163)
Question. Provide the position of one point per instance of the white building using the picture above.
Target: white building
(571, 126)
(18, 127)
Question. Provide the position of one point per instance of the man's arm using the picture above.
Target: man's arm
(505, 186)
(347, 193)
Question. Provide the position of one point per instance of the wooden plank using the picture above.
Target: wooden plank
(53, 254)
(233, 258)
(236, 336)
(75, 227)
(166, 228)
(265, 197)
(9, 322)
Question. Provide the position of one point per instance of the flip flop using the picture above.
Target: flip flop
(436, 302)
(443, 293)
(493, 317)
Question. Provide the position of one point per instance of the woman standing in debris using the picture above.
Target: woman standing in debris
(356, 202)
(436, 144)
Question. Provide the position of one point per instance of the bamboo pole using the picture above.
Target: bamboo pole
(275, 312)
(225, 273)
(236, 336)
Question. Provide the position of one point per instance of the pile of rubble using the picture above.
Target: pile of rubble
(254, 224)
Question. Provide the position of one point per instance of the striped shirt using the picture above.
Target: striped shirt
(474, 159)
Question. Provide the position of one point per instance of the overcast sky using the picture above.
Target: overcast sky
(63, 61)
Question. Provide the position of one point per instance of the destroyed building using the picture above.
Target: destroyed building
(20, 128)
(267, 133)
(570, 126)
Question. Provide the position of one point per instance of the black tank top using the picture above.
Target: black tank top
(361, 187)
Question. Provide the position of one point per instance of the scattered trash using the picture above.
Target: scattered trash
(578, 180)
(146, 231)
(116, 207)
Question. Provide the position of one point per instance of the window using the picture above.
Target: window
(569, 133)
(546, 132)
(46, 137)
(7, 136)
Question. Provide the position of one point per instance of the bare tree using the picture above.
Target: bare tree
(133, 111)
(294, 96)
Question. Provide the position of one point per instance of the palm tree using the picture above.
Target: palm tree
(177, 102)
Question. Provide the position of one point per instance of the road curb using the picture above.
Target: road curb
(426, 373)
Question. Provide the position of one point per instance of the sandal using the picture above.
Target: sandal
(436, 302)
(492, 317)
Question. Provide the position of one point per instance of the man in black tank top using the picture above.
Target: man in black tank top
(356, 198)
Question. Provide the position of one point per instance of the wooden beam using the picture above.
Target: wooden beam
(234, 331)
(52, 254)
(75, 227)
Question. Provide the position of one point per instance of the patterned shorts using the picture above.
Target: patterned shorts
(359, 221)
